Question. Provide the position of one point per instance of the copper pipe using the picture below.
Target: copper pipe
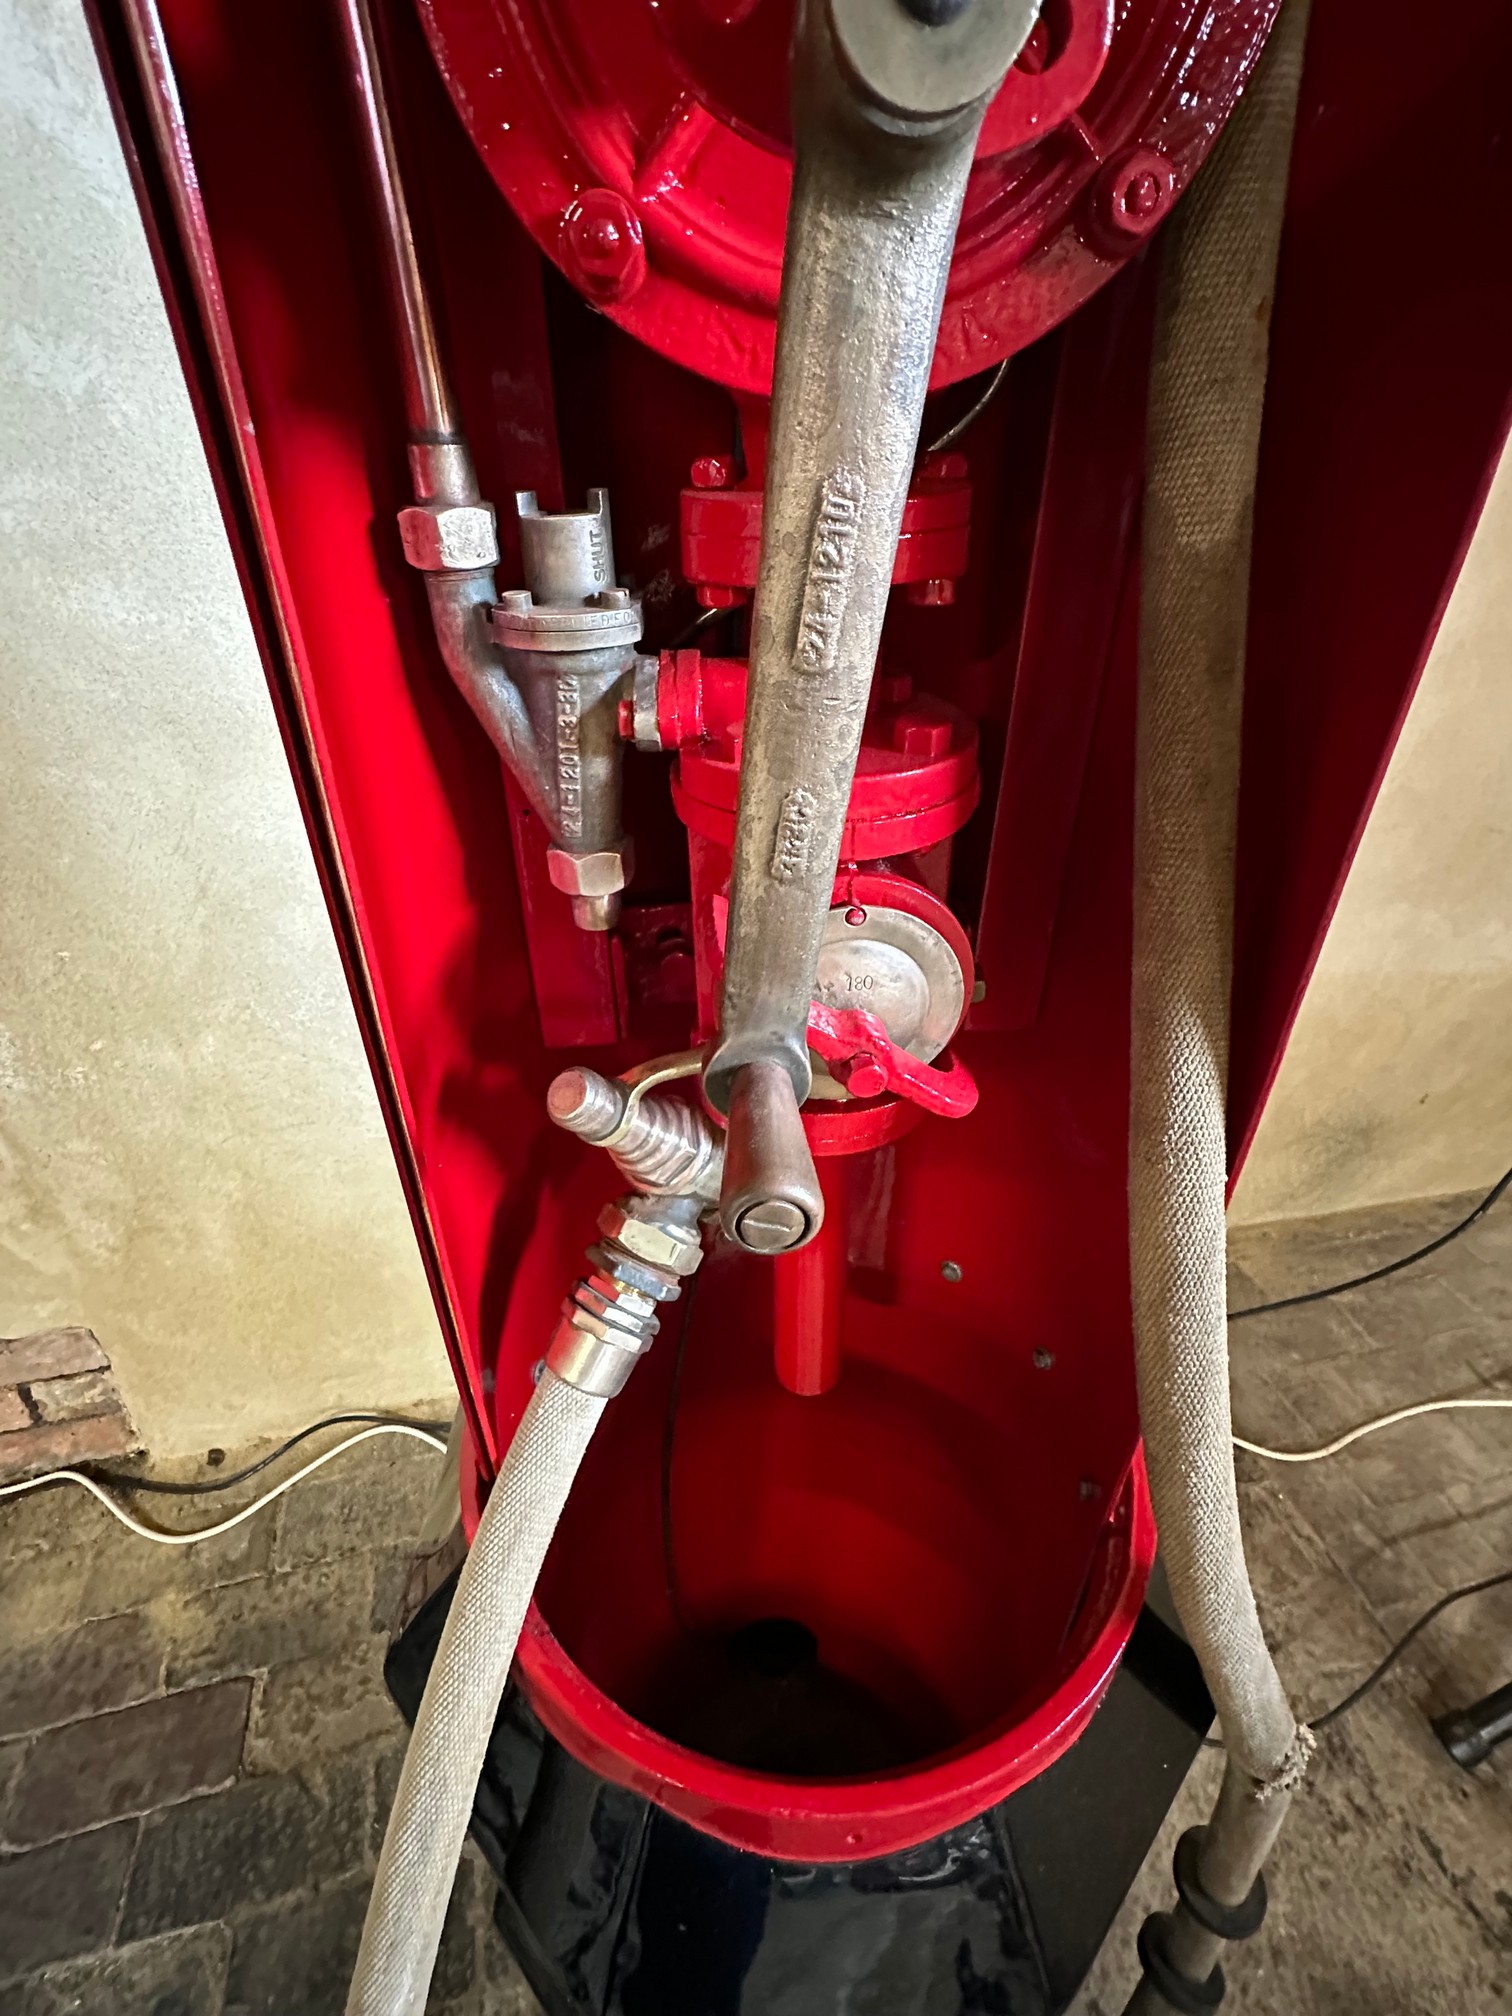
(428, 403)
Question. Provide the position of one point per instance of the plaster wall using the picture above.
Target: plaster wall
(191, 1155)
(1397, 1081)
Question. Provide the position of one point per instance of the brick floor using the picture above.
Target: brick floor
(59, 1404)
(1392, 1886)
(196, 1753)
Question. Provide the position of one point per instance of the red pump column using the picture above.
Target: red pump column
(808, 1290)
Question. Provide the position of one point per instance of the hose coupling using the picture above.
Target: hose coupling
(649, 1247)
(662, 1145)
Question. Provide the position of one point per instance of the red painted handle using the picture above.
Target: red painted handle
(870, 1062)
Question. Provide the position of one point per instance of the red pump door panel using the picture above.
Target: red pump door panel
(938, 1465)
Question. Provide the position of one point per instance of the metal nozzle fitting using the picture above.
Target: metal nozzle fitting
(668, 1147)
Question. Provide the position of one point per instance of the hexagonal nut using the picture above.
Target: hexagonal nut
(600, 874)
(657, 1282)
(607, 1329)
(652, 1240)
(604, 1293)
(449, 538)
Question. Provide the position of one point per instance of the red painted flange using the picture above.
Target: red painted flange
(645, 145)
(916, 781)
(721, 529)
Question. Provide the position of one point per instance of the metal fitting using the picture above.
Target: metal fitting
(635, 1224)
(645, 725)
(603, 249)
(605, 1307)
(593, 881)
(601, 873)
(568, 640)
(664, 1146)
(449, 538)
(610, 1317)
(610, 618)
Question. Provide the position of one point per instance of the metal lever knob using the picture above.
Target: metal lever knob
(771, 1201)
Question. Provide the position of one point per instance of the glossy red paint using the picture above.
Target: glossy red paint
(677, 112)
(965, 1502)
(990, 1689)
(721, 525)
(916, 780)
(808, 1295)
(864, 1058)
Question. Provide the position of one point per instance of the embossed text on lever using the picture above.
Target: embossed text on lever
(886, 112)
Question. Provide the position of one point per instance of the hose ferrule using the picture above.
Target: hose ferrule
(650, 1245)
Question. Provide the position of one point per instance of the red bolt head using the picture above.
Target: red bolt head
(933, 594)
(603, 249)
(865, 1078)
(855, 915)
(1131, 196)
(949, 467)
(1142, 194)
(916, 734)
(714, 595)
(712, 472)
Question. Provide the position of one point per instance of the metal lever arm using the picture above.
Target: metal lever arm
(886, 112)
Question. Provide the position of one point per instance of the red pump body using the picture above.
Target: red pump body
(941, 1475)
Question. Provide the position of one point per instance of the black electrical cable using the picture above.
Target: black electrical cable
(1380, 1273)
(704, 620)
(1373, 1679)
(123, 1480)
(973, 413)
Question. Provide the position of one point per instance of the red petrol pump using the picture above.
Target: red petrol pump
(851, 1565)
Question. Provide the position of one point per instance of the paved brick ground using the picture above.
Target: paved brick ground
(196, 1752)
(1392, 1887)
(197, 1755)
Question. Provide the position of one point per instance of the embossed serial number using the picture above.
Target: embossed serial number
(832, 560)
(569, 761)
(795, 836)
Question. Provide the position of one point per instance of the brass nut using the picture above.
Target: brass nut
(602, 874)
(659, 1244)
(449, 538)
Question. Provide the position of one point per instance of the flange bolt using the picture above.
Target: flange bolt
(603, 248)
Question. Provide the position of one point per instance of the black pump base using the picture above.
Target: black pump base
(614, 1908)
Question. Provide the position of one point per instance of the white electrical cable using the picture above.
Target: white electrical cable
(1365, 1428)
(167, 1539)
